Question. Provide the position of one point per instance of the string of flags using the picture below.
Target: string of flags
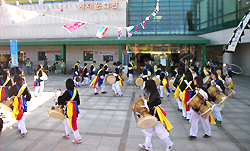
(21, 15)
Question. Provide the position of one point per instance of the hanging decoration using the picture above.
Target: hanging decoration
(119, 33)
(73, 26)
(20, 15)
(102, 31)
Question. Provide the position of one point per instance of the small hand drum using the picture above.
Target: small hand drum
(138, 81)
(212, 90)
(220, 98)
(110, 79)
(171, 84)
(206, 80)
(7, 105)
(157, 81)
(229, 92)
(78, 78)
(206, 110)
(124, 76)
(143, 119)
(57, 112)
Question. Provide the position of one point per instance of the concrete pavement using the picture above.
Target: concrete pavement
(106, 123)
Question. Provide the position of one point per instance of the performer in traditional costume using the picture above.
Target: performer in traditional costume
(187, 88)
(177, 83)
(106, 68)
(211, 66)
(143, 75)
(206, 72)
(116, 86)
(22, 95)
(195, 117)
(229, 76)
(164, 87)
(175, 73)
(99, 80)
(71, 98)
(76, 73)
(130, 72)
(163, 126)
(85, 75)
(157, 74)
(5, 82)
(39, 80)
(218, 107)
(92, 71)
(220, 76)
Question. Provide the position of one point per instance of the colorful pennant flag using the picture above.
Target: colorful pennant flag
(130, 28)
(143, 24)
(129, 34)
(20, 15)
(102, 31)
(119, 33)
(136, 29)
(70, 27)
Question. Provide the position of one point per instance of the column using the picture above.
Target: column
(204, 54)
(63, 55)
(227, 58)
(120, 53)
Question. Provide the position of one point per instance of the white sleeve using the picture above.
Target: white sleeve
(144, 76)
(130, 68)
(158, 77)
(219, 88)
(146, 104)
(114, 74)
(204, 94)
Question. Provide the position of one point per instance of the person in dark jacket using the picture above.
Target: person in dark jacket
(21, 90)
(39, 81)
(71, 99)
(151, 104)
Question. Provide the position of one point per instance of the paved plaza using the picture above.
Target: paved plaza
(107, 123)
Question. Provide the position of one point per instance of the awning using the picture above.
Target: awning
(180, 39)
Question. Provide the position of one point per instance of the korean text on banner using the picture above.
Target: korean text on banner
(13, 53)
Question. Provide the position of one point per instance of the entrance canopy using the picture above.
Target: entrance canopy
(113, 40)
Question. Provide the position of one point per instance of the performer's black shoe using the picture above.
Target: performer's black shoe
(96, 93)
(191, 137)
(180, 110)
(184, 118)
(188, 120)
(104, 92)
(161, 97)
(206, 136)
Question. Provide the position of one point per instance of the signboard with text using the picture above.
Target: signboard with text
(13, 53)
(106, 53)
(98, 5)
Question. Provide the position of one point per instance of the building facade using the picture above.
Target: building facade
(182, 29)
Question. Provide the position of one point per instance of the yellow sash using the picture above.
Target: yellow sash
(6, 82)
(220, 78)
(84, 68)
(177, 91)
(70, 108)
(183, 96)
(95, 78)
(205, 71)
(163, 119)
(164, 82)
(211, 117)
(16, 102)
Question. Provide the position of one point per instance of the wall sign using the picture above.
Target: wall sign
(53, 52)
(13, 53)
(105, 52)
(98, 5)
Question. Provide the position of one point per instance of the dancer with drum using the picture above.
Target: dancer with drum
(177, 94)
(71, 99)
(106, 69)
(152, 105)
(116, 86)
(218, 107)
(130, 72)
(76, 74)
(187, 88)
(164, 87)
(20, 94)
(92, 71)
(39, 80)
(206, 76)
(99, 80)
(229, 76)
(195, 117)
(143, 75)
(220, 76)
(157, 74)
(85, 75)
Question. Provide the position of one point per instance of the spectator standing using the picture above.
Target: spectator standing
(62, 67)
(28, 66)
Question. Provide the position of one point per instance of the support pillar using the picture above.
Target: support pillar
(120, 53)
(204, 55)
(227, 58)
(63, 56)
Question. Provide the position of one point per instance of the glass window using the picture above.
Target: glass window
(88, 55)
(41, 55)
(108, 57)
(58, 57)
